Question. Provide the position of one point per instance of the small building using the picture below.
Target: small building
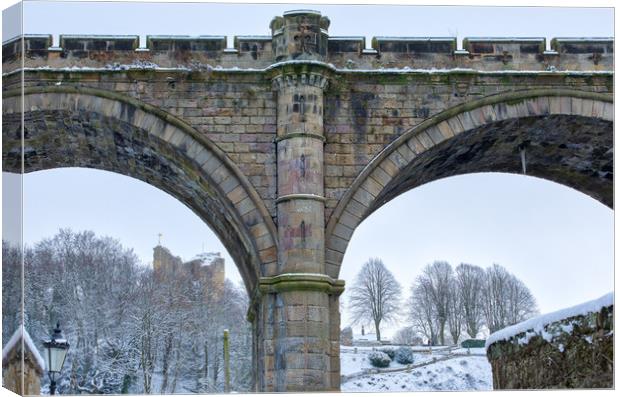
(34, 365)
(346, 336)
(366, 338)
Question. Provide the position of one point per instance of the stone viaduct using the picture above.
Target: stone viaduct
(285, 143)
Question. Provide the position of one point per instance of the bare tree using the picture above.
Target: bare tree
(437, 278)
(422, 311)
(375, 296)
(521, 303)
(455, 311)
(470, 285)
(507, 300)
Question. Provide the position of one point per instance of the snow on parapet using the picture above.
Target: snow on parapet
(537, 324)
(15, 339)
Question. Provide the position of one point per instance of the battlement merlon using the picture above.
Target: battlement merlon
(302, 35)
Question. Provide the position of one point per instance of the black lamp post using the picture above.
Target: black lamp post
(56, 351)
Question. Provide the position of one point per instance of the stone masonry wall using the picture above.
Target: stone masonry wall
(363, 113)
(575, 353)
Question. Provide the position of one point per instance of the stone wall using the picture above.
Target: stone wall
(572, 353)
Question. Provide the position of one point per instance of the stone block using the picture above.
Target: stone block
(317, 313)
(435, 134)
(303, 328)
(576, 106)
(425, 139)
(446, 129)
(364, 197)
(372, 187)
(356, 208)
(338, 243)
(296, 313)
(598, 109)
(406, 153)
(237, 194)
(608, 111)
(586, 107)
(343, 231)
(349, 220)
(268, 255)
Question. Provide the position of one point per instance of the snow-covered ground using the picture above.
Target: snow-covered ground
(472, 350)
(458, 373)
(354, 363)
(445, 368)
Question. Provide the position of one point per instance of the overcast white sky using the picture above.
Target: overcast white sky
(557, 240)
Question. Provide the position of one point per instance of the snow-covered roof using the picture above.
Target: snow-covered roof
(337, 38)
(253, 37)
(302, 11)
(15, 339)
(185, 37)
(586, 39)
(538, 323)
(402, 38)
(99, 36)
(504, 39)
(26, 36)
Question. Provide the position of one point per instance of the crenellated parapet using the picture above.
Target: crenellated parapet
(302, 35)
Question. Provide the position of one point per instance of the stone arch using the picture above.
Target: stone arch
(488, 135)
(87, 127)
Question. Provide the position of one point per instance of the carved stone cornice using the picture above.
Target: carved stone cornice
(293, 282)
(282, 81)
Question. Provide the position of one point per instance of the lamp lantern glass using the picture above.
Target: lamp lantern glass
(56, 351)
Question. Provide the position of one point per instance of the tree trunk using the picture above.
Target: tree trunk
(176, 369)
(472, 331)
(166, 363)
(377, 331)
(216, 365)
(455, 334)
(442, 326)
(206, 361)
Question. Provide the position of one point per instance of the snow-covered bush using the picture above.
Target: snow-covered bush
(390, 351)
(404, 355)
(379, 359)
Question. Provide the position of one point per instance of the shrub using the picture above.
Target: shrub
(379, 359)
(390, 351)
(404, 355)
(470, 343)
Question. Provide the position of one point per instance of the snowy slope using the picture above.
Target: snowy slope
(460, 373)
(351, 362)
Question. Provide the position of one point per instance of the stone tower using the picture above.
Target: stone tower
(300, 34)
(298, 325)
